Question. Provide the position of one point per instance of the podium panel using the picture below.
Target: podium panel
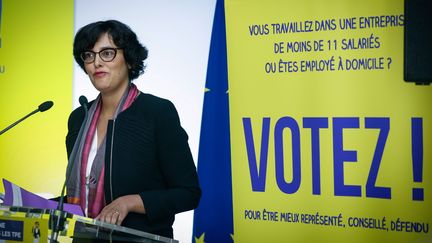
(33, 225)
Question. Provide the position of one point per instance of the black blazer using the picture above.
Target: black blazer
(147, 153)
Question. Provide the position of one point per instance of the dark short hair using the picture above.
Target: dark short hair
(123, 37)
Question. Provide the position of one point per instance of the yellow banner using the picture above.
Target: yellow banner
(35, 66)
(329, 144)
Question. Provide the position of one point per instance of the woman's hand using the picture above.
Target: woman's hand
(117, 210)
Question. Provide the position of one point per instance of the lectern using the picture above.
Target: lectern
(23, 224)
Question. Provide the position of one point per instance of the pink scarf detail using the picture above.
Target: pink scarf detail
(96, 199)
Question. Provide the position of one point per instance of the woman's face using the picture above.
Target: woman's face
(108, 77)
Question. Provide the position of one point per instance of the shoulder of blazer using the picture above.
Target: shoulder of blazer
(77, 116)
(151, 104)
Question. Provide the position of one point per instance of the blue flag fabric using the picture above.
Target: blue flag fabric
(213, 219)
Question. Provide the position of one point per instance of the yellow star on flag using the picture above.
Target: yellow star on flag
(200, 239)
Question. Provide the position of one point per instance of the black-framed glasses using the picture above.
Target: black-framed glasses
(107, 55)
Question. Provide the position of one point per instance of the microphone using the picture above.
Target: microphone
(83, 101)
(42, 107)
(45, 106)
(59, 224)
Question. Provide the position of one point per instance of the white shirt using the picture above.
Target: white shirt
(91, 157)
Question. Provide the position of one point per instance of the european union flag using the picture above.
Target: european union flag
(213, 219)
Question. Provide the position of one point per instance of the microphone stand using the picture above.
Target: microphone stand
(59, 215)
(42, 107)
(20, 120)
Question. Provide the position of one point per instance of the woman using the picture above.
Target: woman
(133, 166)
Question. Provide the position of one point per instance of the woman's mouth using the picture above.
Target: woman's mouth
(99, 74)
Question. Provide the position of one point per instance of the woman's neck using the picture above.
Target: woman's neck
(110, 102)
